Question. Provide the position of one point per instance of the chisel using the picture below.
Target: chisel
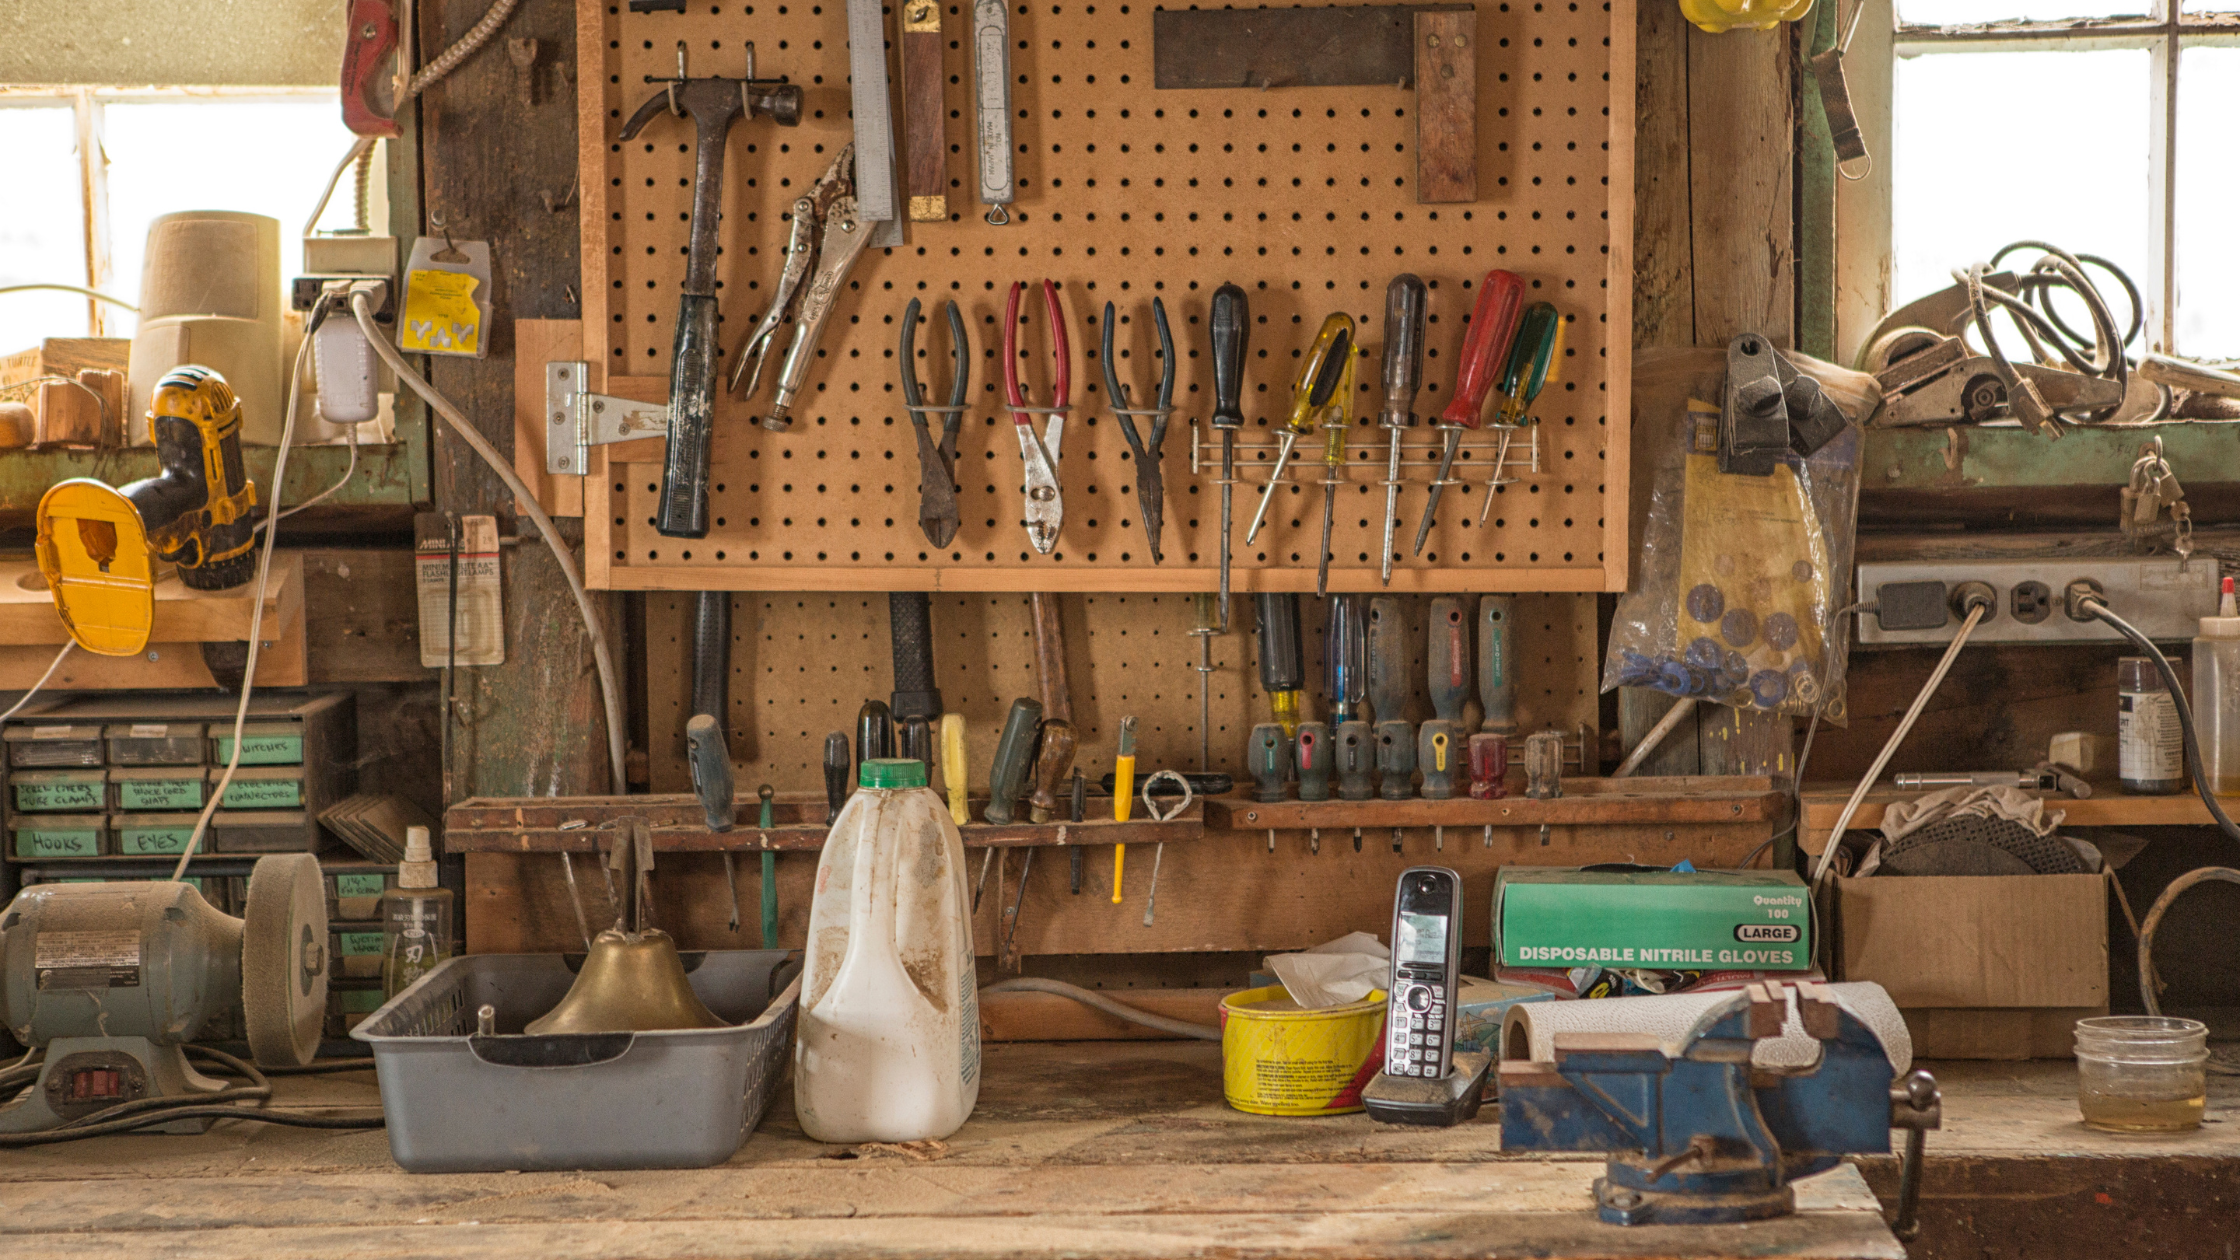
(1485, 348)
(874, 732)
(1271, 767)
(1079, 813)
(1345, 646)
(1448, 659)
(1315, 764)
(1388, 695)
(1404, 303)
(1229, 324)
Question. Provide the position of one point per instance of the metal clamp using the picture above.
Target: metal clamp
(579, 419)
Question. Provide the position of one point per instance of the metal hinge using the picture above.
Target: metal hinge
(581, 420)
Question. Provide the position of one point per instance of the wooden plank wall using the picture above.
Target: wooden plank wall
(1715, 231)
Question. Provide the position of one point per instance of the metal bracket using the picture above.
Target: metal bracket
(581, 420)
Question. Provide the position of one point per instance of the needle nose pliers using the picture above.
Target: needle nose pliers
(937, 460)
(1150, 482)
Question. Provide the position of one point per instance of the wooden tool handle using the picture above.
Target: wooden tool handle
(1050, 657)
(925, 148)
(1051, 766)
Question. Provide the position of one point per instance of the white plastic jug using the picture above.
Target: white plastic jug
(889, 1042)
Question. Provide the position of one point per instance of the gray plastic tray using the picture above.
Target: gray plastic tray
(457, 1102)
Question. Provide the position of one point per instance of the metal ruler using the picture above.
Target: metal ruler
(991, 98)
(874, 121)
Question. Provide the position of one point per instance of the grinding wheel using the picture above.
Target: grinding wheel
(284, 959)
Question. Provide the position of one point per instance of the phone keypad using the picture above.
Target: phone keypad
(1417, 1027)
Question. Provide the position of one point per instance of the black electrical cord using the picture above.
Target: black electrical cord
(2200, 875)
(143, 1112)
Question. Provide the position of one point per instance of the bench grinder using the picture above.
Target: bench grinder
(112, 979)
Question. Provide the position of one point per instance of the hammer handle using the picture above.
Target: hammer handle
(683, 510)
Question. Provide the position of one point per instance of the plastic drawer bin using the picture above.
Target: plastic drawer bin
(457, 1102)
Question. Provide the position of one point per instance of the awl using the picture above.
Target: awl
(1404, 302)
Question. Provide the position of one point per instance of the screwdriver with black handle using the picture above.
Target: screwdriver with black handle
(836, 774)
(1229, 322)
(1404, 304)
(916, 702)
(1320, 373)
(1485, 349)
(1532, 364)
(1283, 670)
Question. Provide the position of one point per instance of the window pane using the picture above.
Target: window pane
(1972, 152)
(1972, 12)
(43, 235)
(2208, 268)
(273, 158)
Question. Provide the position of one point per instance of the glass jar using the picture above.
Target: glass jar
(2142, 1073)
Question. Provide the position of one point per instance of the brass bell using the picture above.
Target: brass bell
(630, 982)
(632, 978)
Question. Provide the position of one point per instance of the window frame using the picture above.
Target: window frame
(87, 104)
(1863, 208)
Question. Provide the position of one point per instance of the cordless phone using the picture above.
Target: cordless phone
(1426, 964)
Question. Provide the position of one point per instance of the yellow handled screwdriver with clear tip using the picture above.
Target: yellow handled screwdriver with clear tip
(1123, 792)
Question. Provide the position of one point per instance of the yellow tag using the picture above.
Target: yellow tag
(440, 315)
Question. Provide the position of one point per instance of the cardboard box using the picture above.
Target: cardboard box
(1667, 920)
(1982, 967)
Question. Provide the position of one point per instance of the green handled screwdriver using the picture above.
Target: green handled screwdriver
(1532, 364)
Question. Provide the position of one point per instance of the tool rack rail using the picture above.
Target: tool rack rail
(1689, 799)
(579, 824)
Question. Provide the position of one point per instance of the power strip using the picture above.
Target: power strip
(2162, 596)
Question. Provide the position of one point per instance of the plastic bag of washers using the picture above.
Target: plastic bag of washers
(1744, 521)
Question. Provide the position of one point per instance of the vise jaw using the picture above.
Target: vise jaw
(1697, 1134)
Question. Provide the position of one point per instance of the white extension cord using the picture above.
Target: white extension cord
(1890, 746)
(526, 501)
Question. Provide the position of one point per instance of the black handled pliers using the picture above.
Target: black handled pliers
(937, 460)
(1150, 484)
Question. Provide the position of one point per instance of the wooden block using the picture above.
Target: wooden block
(111, 386)
(66, 356)
(537, 342)
(69, 414)
(1446, 105)
(17, 422)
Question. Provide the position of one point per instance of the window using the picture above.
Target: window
(100, 164)
(2088, 124)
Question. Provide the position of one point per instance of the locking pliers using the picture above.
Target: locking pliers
(827, 234)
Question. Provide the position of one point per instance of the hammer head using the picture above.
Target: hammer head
(716, 102)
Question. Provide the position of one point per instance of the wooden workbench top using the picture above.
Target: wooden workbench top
(1077, 1149)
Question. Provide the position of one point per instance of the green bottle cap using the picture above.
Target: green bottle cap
(892, 772)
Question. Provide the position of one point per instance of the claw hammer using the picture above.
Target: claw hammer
(713, 103)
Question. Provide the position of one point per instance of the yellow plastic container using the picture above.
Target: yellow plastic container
(1279, 1060)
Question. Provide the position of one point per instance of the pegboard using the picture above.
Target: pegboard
(803, 662)
(1305, 197)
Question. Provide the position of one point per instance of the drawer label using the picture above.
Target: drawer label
(263, 750)
(137, 794)
(58, 844)
(137, 841)
(55, 796)
(264, 793)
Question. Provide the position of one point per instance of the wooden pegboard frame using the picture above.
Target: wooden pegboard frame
(1124, 192)
(802, 662)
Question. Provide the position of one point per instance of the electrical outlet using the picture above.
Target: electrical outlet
(2161, 596)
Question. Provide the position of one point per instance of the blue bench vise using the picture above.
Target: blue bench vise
(1704, 1137)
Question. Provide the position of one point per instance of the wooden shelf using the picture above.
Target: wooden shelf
(2106, 807)
(31, 630)
(573, 824)
(1678, 800)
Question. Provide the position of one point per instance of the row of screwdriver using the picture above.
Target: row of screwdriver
(1509, 353)
(1368, 749)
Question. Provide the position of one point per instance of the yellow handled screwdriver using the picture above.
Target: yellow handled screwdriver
(953, 767)
(1319, 377)
(1337, 418)
(1532, 364)
(1123, 792)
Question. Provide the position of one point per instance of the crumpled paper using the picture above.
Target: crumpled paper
(1334, 972)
